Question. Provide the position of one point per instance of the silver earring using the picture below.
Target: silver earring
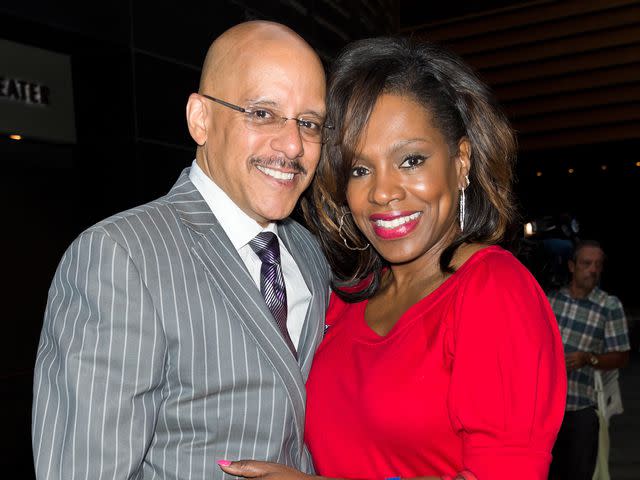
(344, 238)
(463, 202)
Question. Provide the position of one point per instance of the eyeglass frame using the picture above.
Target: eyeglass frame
(240, 109)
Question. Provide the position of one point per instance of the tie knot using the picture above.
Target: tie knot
(266, 246)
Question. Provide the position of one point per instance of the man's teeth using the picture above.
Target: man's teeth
(396, 222)
(275, 173)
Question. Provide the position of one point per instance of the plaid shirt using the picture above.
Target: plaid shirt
(593, 324)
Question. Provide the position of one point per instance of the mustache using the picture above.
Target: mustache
(280, 162)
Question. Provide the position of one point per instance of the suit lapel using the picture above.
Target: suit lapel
(313, 323)
(229, 274)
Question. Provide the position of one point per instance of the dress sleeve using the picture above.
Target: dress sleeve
(508, 385)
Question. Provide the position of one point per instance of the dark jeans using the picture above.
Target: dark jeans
(576, 449)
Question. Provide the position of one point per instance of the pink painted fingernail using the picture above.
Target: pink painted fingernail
(224, 463)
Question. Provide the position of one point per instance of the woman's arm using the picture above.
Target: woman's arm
(276, 471)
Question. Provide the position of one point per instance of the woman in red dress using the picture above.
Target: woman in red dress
(441, 356)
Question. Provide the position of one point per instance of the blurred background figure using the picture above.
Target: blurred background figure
(595, 336)
(545, 247)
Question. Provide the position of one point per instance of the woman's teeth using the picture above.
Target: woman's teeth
(396, 222)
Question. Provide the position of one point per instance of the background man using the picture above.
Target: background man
(594, 333)
(182, 331)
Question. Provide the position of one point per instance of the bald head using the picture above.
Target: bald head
(261, 163)
(242, 44)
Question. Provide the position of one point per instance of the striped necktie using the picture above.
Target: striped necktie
(266, 246)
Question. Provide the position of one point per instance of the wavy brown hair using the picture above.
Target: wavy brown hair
(460, 105)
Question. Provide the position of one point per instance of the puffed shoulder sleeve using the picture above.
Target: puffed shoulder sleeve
(508, 385)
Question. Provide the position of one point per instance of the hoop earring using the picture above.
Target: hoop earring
(463, 203)
(344, 238)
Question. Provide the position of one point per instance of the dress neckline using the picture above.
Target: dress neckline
(367, 334)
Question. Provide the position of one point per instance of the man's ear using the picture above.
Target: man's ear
(463, 162)
(197, 118)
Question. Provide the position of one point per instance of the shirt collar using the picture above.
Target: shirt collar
(597, 295)
(239, 227)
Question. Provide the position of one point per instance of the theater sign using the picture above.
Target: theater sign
(36, 94)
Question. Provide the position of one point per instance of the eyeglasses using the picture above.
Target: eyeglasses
(264, 120)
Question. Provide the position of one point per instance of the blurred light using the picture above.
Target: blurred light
(538, 173)
(15, 137)
(529, 229)
(637, 164)
(571, 170)
(575, 225)
(603, 167)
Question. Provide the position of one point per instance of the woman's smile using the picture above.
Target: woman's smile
(392, 225)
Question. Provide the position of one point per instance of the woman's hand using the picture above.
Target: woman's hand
(264, 470)
(276, 471)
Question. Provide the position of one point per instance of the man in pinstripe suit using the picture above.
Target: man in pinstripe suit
(158, 353)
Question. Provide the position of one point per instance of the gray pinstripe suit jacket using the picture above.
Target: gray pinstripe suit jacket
(158, 355)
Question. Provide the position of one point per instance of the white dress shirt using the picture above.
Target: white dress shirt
(241, 229)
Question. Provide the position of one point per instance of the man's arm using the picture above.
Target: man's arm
(616, 340)
(99, 366)
(601, 361)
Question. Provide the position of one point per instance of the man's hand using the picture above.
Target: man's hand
(263, 470)
(576, 360)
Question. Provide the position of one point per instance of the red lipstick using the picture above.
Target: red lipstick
(393, 225)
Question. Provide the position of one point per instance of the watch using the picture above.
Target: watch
(593, 360)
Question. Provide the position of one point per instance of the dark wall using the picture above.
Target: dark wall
(600, 193)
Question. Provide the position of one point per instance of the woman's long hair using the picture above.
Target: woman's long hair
(460, 106)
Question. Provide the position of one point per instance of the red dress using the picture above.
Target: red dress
(471, 377)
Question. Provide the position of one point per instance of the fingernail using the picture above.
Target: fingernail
(224, 463)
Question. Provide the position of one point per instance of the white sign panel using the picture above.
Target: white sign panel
(36, 93)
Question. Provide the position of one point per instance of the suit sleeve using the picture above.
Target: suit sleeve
(508, 385)
(99, 366)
